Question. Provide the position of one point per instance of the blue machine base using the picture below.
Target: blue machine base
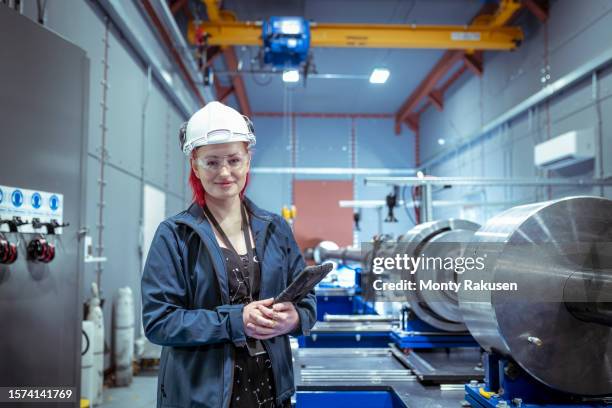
(348, 399)
(408, 340)
(472, 395)
(419, 335)
(345, 340)
(342, 305)
(507, 375)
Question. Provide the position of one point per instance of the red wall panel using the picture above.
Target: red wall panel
(319, 216)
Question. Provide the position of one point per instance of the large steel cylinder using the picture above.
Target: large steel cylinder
(436, 240)
(555, 324)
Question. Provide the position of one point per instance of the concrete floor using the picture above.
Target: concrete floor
(141, 394)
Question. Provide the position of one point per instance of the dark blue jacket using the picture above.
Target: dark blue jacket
(186, 307)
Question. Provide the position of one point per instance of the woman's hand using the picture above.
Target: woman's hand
(268, 321)
(286, 317)
(255, 322)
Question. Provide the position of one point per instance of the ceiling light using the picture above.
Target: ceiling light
(441, 141)
(291, 75)
(379, 76)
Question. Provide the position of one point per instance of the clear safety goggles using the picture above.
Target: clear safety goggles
(234, 161)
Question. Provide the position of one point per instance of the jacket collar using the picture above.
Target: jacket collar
(195, 215)
(256, 211)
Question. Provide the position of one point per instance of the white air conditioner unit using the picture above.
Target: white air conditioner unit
(566, 149)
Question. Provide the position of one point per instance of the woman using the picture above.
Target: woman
(210, 277)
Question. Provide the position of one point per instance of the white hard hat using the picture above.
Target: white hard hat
(217, 123)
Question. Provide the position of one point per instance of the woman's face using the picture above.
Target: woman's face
(222, 168)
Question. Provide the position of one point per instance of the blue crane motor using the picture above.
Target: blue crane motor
(286, 41)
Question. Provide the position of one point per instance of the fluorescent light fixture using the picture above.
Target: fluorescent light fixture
(379, 76)
(441, 141)
(291, 75)
(291, 27)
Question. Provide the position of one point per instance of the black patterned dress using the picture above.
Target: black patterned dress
(253, 377)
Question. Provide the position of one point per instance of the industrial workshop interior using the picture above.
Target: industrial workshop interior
(306, 203)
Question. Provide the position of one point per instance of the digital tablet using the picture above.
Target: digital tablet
(304, 283)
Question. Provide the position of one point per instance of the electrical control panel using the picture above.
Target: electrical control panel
(43, 174)
(30, 211)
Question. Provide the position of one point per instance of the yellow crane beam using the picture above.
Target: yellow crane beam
(370, 35)
(212, 8)
(504, 13)
(215, 14)
(487, 33)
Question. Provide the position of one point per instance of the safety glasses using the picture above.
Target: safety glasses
(213, 164)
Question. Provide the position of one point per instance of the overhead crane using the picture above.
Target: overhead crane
(486, 33)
